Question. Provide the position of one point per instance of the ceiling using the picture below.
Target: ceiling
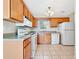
(61, 8)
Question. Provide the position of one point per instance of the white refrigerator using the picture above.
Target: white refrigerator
(67, 31)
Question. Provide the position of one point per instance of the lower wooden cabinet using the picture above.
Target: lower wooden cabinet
(44, 38)
(27, 49)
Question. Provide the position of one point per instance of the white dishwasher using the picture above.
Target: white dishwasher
(55, 38)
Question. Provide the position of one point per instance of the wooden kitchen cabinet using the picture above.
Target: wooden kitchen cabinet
(25, 11)
(13, 10)
(27, 49)
(44, 38)
(31, 17)
(28, 14)
(34, 22)
(54, 22)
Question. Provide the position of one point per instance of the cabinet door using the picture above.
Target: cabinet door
(27, 51)
(34, 22)
(53, 23)
(17, 10)
(40, 38)
(25, 11)
(29, 15)
(56, 21)
(44, 38)
(47, 38)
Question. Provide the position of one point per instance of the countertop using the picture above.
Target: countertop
(12, 36)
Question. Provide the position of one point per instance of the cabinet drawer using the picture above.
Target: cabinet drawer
(26, 42)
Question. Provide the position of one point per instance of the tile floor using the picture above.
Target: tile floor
(55, 52)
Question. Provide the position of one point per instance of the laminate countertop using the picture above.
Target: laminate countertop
(12, 36)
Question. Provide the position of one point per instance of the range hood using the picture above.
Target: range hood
(26, 22)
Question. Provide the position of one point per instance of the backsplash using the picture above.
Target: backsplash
(9, 27)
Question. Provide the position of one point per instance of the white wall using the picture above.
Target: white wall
(8, 27)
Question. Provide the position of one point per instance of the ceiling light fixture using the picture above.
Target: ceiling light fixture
(50, 11)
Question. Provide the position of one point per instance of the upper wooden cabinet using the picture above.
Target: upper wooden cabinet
(55, 21)
(13, 10)
(25, 11)
(34, 22)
